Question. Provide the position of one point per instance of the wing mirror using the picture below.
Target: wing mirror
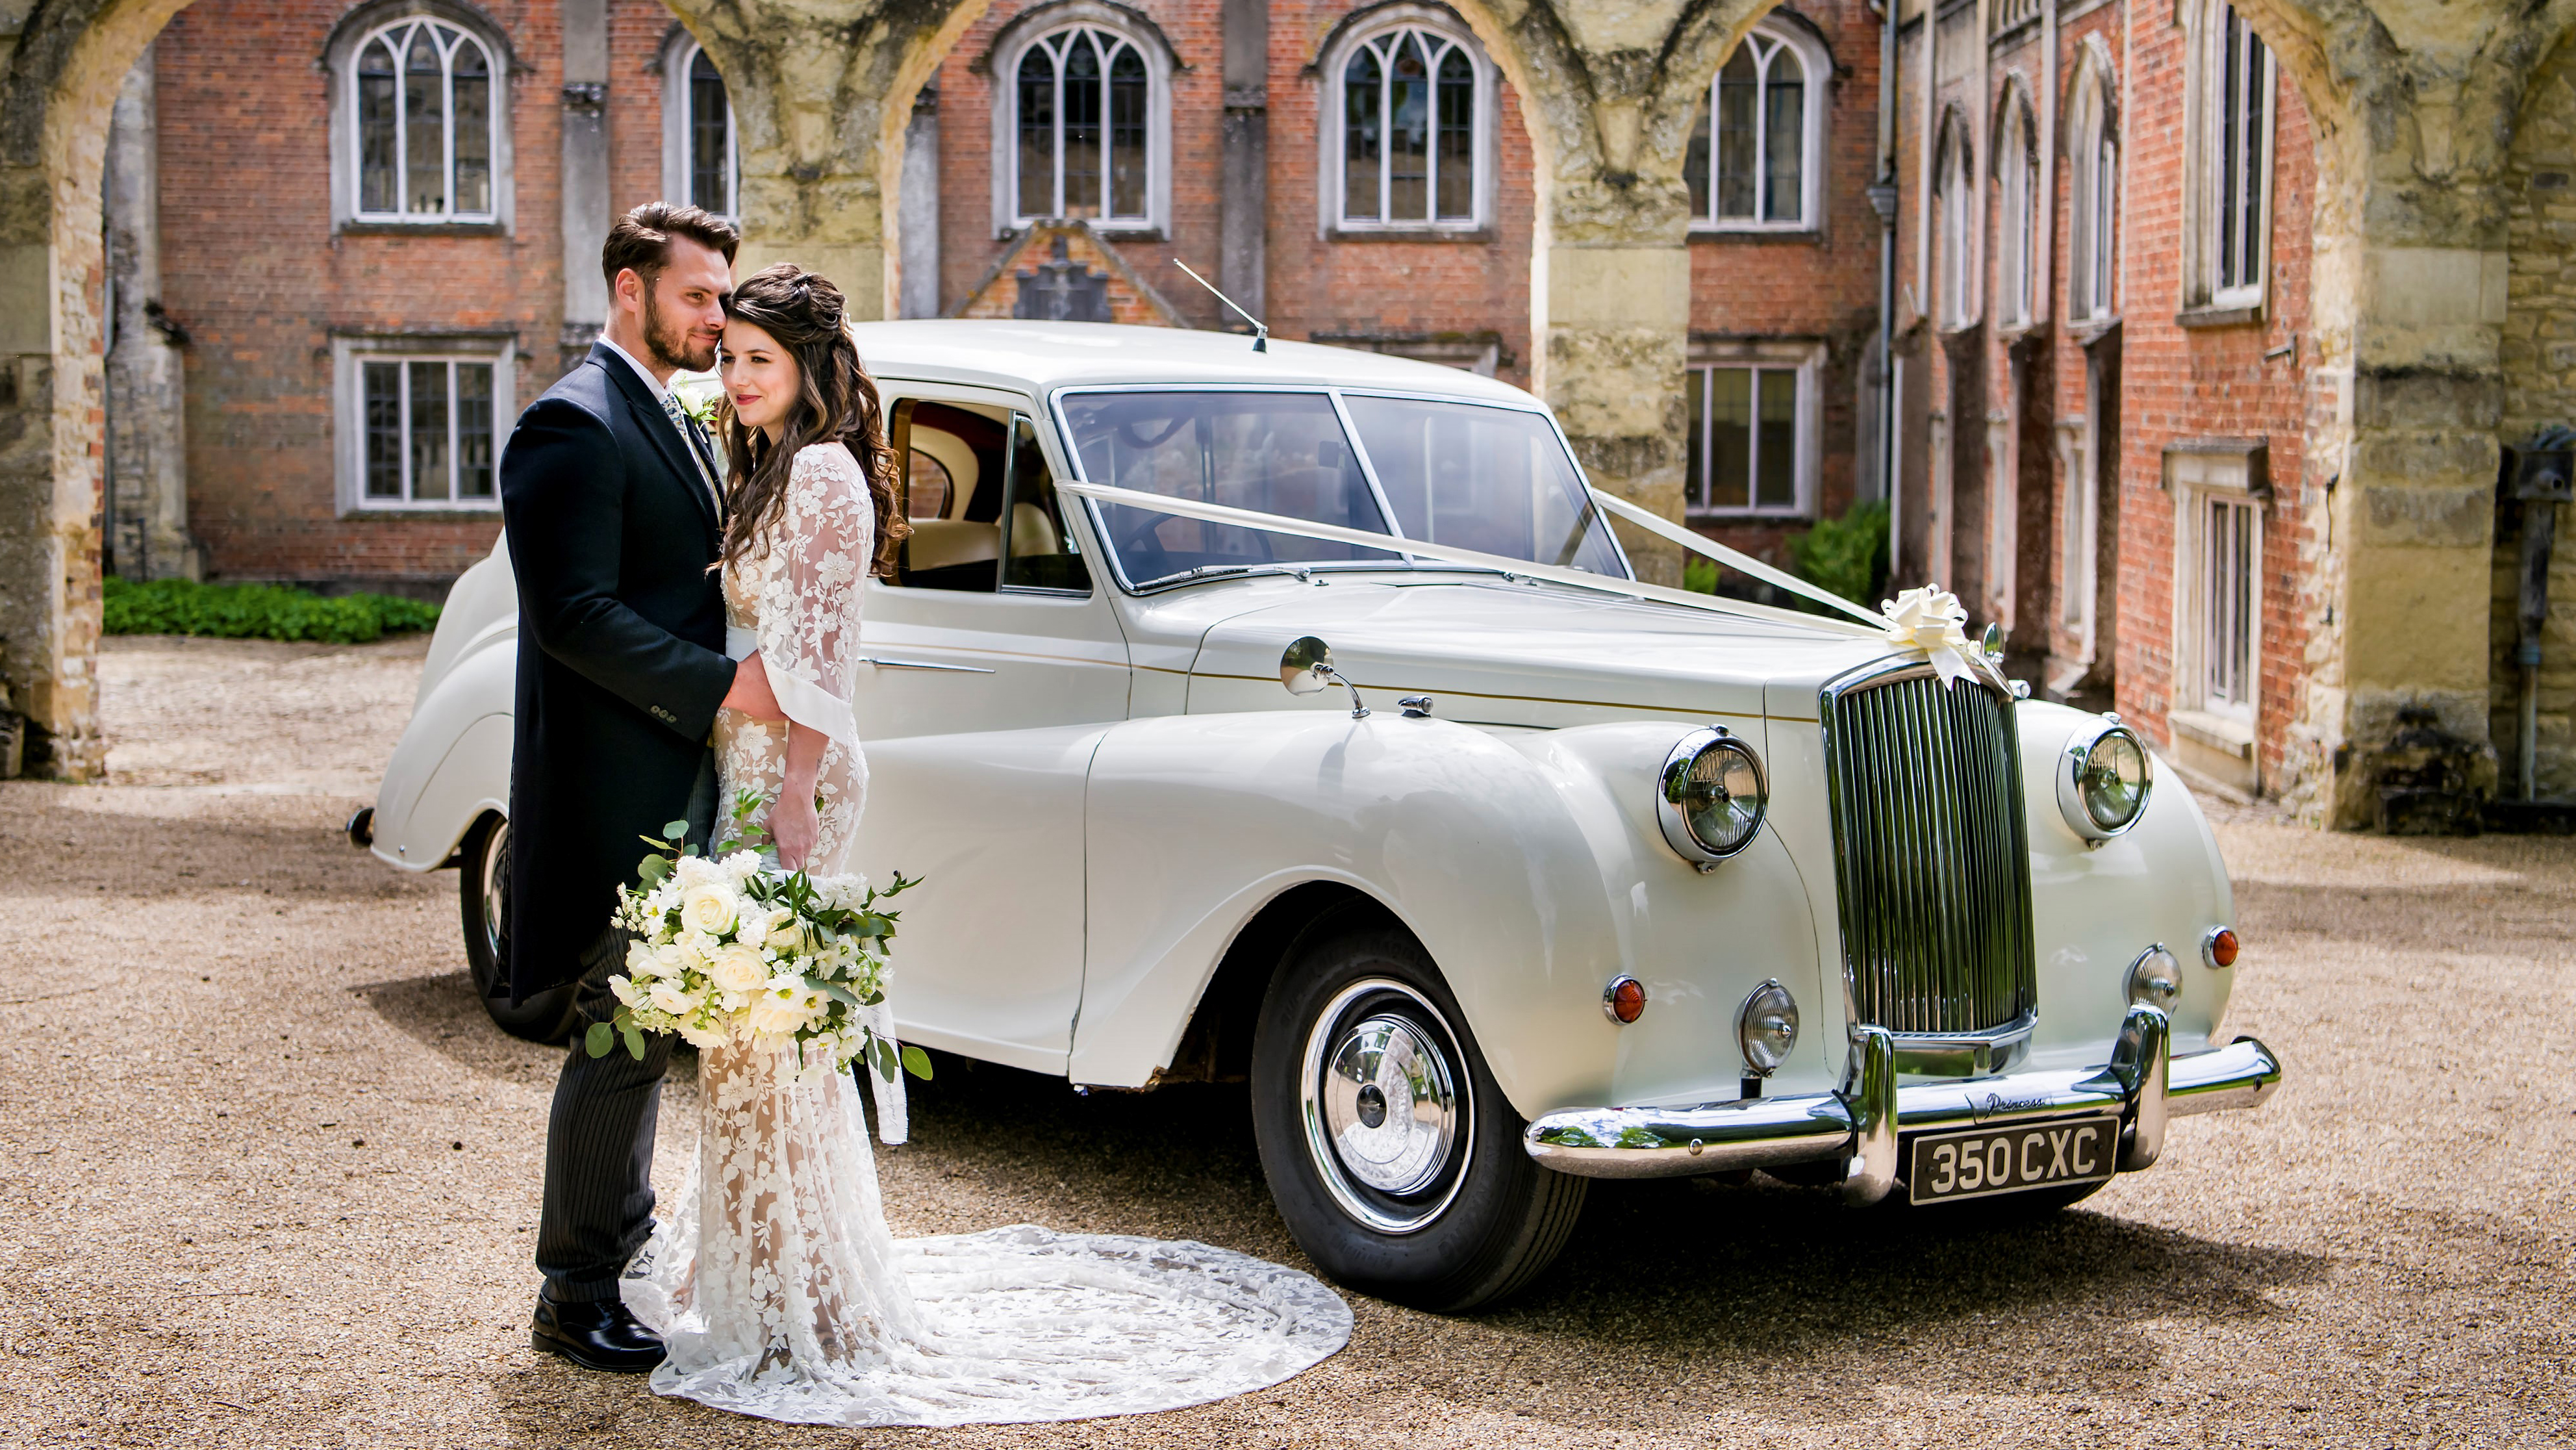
(1307, 667)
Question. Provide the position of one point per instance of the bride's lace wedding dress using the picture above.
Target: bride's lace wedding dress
(773, 1278)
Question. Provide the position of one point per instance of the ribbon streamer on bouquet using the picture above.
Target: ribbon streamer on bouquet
(1874, 626)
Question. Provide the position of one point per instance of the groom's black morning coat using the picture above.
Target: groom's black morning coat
(621, 652)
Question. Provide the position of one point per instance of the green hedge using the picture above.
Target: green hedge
(258, 611)
(1847, 556)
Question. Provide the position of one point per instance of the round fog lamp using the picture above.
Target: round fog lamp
(1766, 1027)
(2103, 779)
(2219, 947)
(1711, 797)
(2155, 979)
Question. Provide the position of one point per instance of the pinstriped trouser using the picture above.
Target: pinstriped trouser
(598, 1206)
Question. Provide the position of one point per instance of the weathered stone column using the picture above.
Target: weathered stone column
(147, 455)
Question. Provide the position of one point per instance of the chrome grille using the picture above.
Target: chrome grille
(1932, 857)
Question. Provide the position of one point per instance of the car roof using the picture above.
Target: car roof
(1043, 356)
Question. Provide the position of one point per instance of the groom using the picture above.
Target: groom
(611, 500)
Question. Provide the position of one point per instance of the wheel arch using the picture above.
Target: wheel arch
(1216, 1042)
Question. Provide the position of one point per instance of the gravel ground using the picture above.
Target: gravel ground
(269, 1178)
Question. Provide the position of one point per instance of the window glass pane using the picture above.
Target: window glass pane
(1408, 133)
(473, 430)
(1037, 132)
(1127, 134)
(1776, 451)
(1496, 480)
(473, 85)
(381, 385)
(424, 127)
(1695, 164)
(428, 430)
(2105, 189)
(927, 488)
(1360, 137)
(1041, 551)
(1784, 134)
(1739, 87)
(1081, 127)
(1730, 438)
(1456, 162)
(1695, 443)
(710, 157)
(2249, 165)
(1281, 453)
(377, 130)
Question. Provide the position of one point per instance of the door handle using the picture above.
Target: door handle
(892, 664)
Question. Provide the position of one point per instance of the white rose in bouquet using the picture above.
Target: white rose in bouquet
(737, 967)
(783, 1008)
(668, 998)
(711, 907)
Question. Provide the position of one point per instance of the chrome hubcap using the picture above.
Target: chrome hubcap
(496, 888)
(1387, 1117)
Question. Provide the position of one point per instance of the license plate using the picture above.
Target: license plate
(1984, 1161)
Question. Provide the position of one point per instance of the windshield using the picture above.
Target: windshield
(1491, 479)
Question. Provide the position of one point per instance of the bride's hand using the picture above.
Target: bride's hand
(793, 825)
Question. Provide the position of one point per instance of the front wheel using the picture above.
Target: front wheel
(483, 899)
(1390, 1151)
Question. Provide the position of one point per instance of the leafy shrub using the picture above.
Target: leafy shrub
(1847, 555)
(1699, 575)
(258, 611)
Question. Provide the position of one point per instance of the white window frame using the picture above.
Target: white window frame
(1769, 39)
(350, 187)
(349, 356)
(2221, 35)
(1435, 25)
(1960, 233)
(2200, 480)
(679, 121)
(1807, 361)
(1119, 24)
(2017, 194)
(2092, 235)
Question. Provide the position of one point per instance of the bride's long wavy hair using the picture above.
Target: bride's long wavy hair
(836, 400)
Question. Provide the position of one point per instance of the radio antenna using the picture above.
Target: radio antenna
(1260, 329)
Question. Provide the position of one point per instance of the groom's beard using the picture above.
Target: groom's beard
(670, 343)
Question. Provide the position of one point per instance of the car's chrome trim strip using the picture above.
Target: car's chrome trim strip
(885, 663)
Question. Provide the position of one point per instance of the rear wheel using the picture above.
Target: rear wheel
(483, 899)
(1390, 1151)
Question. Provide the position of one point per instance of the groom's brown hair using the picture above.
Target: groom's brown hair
(641, 239)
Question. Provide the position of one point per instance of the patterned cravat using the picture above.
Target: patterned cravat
(696, 443)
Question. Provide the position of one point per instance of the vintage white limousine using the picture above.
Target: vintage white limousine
(1531, 875)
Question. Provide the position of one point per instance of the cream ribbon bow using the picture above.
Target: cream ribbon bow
(1932, 620)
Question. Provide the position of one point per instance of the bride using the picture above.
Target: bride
(775, 1284)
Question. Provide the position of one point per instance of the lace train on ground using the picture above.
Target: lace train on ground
(781, 1293)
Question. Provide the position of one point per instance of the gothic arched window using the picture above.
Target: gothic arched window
(1755, 151)
(1410, 102)
(422, 101)
(2017, 218)
(699, 148)
(1083, 101)
(2093, 211)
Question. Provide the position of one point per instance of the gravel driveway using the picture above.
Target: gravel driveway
(268, 1177)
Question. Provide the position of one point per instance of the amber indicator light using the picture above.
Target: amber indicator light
(1625, 999)
(2222, 948)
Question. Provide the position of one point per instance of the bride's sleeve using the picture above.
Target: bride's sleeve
(809, 620)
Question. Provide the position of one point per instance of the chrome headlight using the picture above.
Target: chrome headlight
(1711, 797)
(2155, 979)
(2103, 778)
(1766, 1027)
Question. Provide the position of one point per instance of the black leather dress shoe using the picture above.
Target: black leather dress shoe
(601, 1336)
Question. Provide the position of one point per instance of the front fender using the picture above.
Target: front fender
(1527, 863)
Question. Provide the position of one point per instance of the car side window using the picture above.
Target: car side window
(1038, 551)
(956, 471)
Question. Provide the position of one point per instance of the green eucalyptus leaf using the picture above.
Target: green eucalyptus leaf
(597, 1040)
(916, 1062)
(634, 1042)
(883, 1057)
(675, 829)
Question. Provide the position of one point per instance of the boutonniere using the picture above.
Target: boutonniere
(700, 395)
(1932, 620)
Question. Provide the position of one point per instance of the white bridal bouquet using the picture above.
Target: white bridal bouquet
(731, 949)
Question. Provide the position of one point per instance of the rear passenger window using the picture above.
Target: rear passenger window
(956, 470)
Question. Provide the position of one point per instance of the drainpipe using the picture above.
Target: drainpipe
(1882, 199)
(2543, 477)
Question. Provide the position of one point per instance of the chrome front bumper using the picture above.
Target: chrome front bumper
(2143, 1082)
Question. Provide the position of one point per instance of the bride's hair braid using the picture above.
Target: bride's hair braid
(836, 399)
